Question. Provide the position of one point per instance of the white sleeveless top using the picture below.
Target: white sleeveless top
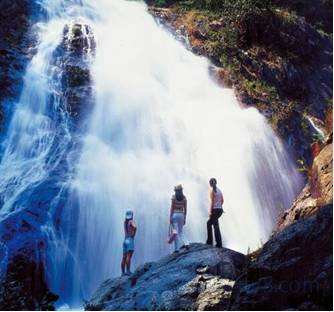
(217, 199)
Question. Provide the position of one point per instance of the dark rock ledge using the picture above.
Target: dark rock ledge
(200, 278)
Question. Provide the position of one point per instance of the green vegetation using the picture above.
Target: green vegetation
(317, 138)
(302, 167)
(259, 88)
(228, 6)
(263, 46)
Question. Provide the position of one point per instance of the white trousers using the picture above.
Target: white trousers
(177, 223)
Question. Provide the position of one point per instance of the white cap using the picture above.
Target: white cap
(129, 215)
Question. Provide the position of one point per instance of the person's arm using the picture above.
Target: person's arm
(185, 211)
(211, 203)
(133, 224)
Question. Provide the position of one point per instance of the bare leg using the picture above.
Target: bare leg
(123, 263)
(128, 260)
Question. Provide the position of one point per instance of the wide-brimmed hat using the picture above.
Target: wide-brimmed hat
(129, 215)
(178, 187)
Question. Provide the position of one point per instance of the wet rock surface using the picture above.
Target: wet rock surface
(16, 48)
(25, 287)
(73, 57)
(200, 278)
(23, 257)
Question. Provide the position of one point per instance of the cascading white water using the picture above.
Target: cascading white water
(159, 120)
(38, 141)
(31, 130)
(40, 119)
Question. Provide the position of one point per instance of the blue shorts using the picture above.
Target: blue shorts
(128, 245)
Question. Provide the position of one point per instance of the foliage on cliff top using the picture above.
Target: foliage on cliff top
(226, 6)
(318, 13)
(275, 53)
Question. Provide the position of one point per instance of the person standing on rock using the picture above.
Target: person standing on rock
(130, 230)
(178, 215)
(215, 211)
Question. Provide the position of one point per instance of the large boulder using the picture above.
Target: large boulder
(200, 278)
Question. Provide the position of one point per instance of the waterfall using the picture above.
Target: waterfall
(158, 120)
(38, 156)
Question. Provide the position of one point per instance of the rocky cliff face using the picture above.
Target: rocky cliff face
(200, 278)
(294, 269)
(317, 192)
(276, 54)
